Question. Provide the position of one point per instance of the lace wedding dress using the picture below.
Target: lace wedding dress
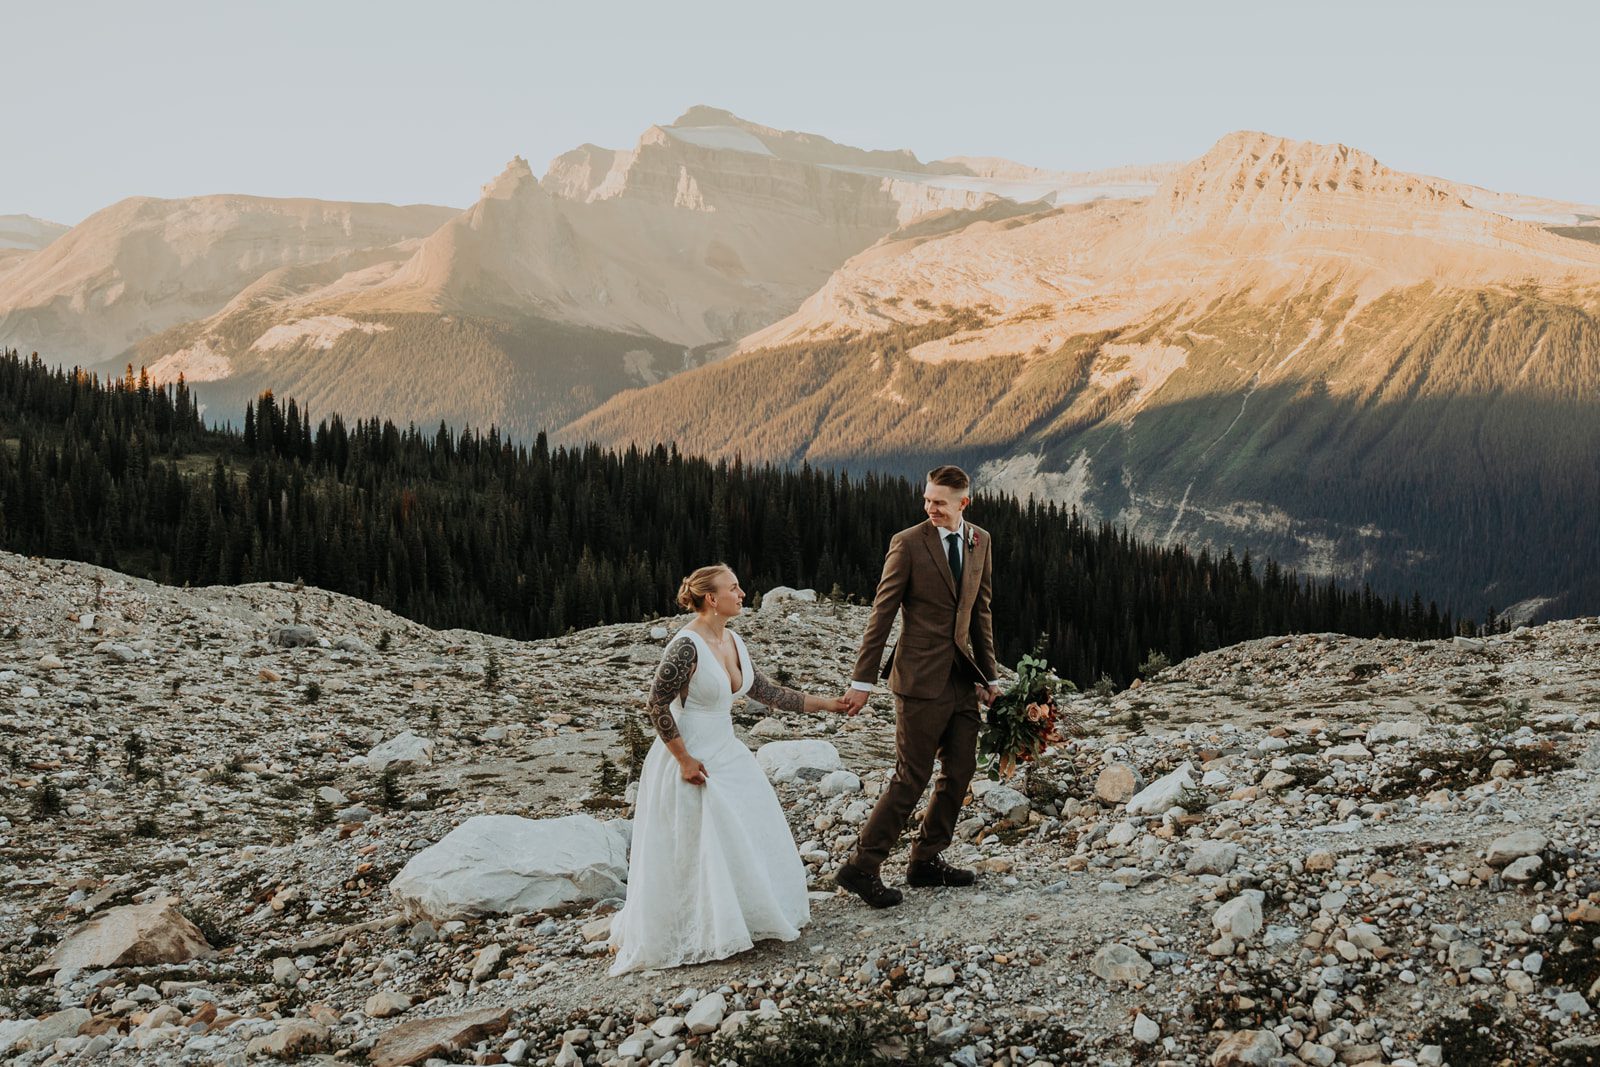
(714, 867)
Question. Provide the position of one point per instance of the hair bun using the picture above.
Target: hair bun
(698, 587)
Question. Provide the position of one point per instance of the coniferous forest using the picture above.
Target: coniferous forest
(467, 529)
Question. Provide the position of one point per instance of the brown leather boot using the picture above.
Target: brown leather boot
(869, 887)
(936, 872)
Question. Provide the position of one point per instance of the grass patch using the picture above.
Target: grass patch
(218, 930)
(825, 1034)
(1461, 770)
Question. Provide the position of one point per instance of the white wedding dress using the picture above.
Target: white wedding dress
(714, 867)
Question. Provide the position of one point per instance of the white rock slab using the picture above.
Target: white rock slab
(1163, 793)
(405, 751)
(784, 761)
(505, 864)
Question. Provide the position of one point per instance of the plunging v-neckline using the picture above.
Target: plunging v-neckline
(733, 690)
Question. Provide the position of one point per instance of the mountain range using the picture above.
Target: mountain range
(1282, 345)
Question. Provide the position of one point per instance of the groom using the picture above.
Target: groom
(938, 576)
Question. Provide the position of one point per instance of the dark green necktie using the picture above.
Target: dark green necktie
(955, 558)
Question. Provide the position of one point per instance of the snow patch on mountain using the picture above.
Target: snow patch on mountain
(723, 138)
(320, 331)
(1021, 475)
(197, 363)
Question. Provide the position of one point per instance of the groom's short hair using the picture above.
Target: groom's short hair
(951, 478)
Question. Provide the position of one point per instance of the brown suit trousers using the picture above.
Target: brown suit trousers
(946, 727)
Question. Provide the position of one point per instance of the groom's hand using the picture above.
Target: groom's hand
(854, 700)
(988, 694)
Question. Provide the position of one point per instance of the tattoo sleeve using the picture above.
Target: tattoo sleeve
(764, 690)
(672, 678)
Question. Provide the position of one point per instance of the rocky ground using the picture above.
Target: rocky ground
(1301, 850)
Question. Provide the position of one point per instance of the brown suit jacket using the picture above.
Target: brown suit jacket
(942, 626)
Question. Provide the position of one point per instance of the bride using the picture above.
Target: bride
(714, 867)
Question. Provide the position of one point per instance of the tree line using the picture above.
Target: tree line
(466, 528)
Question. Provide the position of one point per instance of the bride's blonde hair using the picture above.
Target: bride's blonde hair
(699, 586)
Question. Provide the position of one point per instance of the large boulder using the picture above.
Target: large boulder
(12, 1031)
(1515, 846)
(1007, 803)
(421, 1039)
(296, 636)
(52, 1028)
(135, 935)
(505, 864)
(1118, 963)
(1163, 793)
(784, 761)
(1240, 918)
(779, 595)
(290, 1039)
(1212, 857)
(404, 752)
(1118, 783)
(1385, 733)
(1247, 1048)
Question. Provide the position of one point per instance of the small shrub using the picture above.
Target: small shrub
(1194, 800)
(135, 749)
(390, 796)
(214, 927)
(1153, 664)
(228, 773)
(321, 813)
(1105, 687)
(608, 780)
(491, 671)
(47, 802)
(636, 742)
(825, 1035)
(146, 826)
(312, 693)
(383, 641)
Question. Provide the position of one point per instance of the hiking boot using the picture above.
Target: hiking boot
(869, 887)
(936, 872)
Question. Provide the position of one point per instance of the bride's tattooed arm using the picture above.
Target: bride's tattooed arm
(764, 690)
(672, 677)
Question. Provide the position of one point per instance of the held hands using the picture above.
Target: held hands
(852, 701)
(693, 771)
(836, 704)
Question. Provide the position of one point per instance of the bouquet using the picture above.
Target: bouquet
(1025, 719)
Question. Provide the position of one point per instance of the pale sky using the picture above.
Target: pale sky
(409, 102)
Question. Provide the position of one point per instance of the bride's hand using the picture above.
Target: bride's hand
(838, 704)
(693, 771)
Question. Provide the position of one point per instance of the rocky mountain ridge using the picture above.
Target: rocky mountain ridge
(1177, 364)
(1301, 850)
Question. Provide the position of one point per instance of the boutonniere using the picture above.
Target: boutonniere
(972, 539)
